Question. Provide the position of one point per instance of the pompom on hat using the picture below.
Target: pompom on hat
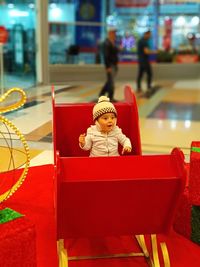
(103, 106)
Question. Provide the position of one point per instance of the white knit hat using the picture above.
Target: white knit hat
(103, 106)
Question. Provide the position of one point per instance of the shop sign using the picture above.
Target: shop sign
(132, 3)
(187, 58)
(131, 57)
(3, 35)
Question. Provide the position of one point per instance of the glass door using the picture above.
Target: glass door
(18, 17)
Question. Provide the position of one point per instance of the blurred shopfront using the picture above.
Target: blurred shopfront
(18, 18)
(72, 31)
(84, 24)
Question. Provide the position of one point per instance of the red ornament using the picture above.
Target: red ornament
(3, 35)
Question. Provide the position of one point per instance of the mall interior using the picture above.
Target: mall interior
(57, 44)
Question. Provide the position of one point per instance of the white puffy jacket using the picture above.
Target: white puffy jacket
(102, 144)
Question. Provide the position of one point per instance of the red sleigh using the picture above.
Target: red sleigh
(133, 195)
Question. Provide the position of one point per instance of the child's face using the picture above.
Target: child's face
(107, 122)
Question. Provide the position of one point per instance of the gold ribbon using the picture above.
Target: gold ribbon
(15, 105)
(11, 107)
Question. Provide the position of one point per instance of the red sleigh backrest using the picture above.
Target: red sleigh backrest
(70, 120)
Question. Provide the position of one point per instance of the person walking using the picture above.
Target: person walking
(144, 65)
(110, 56)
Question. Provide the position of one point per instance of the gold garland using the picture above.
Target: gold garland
(5, 109)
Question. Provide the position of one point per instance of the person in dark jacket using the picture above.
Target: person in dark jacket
(144, 65)
(110, 56)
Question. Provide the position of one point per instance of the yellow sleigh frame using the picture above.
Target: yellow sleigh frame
(151, 261)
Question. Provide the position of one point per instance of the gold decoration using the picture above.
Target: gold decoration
(8, 123)
(15, 105)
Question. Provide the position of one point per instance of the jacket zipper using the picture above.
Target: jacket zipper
(107, 143)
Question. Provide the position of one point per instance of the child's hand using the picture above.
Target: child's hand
(82, 140)
(126, 150)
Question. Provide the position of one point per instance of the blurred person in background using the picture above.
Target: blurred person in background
(110, 56)
(144, 65)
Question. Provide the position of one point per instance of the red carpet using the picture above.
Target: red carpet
(35, 200)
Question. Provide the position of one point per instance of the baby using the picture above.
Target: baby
(102, 139)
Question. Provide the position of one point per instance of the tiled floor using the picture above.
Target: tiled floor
(170, 118)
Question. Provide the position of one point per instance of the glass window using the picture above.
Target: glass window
(132, 19)
(75, 29)
(175, 26)
(19, 51)
(179, 30)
